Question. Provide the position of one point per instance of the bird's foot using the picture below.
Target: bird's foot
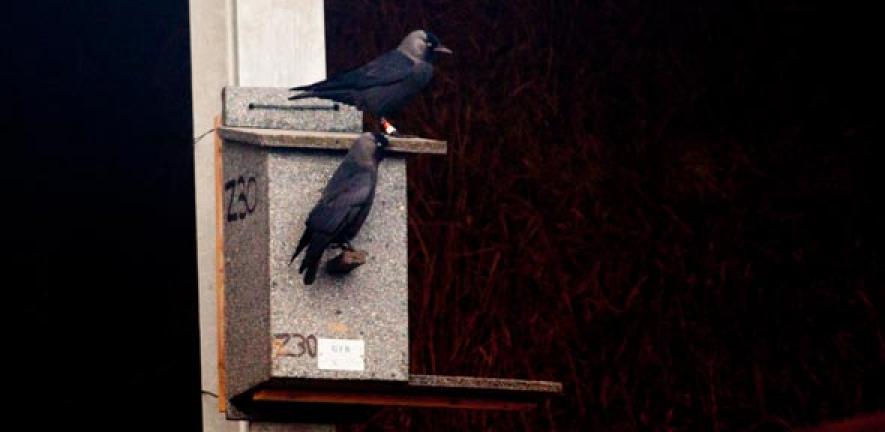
(346, 261)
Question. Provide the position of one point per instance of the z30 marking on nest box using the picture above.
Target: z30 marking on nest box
(246, 200)
(304, 344)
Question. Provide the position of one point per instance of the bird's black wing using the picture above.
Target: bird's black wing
(343, 195)
(384, 70)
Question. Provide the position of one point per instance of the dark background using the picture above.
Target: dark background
(99, 232)
(669, 207)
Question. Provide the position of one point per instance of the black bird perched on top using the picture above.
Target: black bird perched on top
(386, 84)
(339, 214)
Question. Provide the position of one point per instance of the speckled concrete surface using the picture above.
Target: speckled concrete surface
(488, 384)
(246, 272)
(371, 302)
(269, 107)
(268, 307)
(272, 321)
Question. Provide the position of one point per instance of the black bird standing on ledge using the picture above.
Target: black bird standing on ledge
(386, 84)
(338, 216)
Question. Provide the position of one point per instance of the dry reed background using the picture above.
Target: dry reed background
(669, 208)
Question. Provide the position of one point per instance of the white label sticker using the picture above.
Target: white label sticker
(341, 354)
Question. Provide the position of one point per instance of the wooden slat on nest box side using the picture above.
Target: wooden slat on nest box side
(219, 270)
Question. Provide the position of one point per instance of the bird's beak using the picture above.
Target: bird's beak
(442, 49)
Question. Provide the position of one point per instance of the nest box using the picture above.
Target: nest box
(343, 331)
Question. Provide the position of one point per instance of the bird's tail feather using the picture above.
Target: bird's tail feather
(322, 86)
(338, 95)
(302, 95)
(305, 239)
(309, 90)
(312, 257)
(311, 274)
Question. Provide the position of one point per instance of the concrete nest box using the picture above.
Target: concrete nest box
(351, 326)
(344, 340)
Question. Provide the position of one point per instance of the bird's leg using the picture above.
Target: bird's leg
(387, 127)
(344, 246)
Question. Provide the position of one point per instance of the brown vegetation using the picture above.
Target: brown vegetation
(669, 208)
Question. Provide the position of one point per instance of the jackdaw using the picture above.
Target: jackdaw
(338, 216)
(386, 84)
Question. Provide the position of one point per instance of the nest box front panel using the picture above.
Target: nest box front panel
(352, 326)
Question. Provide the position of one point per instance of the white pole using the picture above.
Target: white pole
(280, 43)
(260, 43)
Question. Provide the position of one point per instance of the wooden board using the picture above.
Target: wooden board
(421, 391)
(325, 140)
(872, 422)
(392, 400)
